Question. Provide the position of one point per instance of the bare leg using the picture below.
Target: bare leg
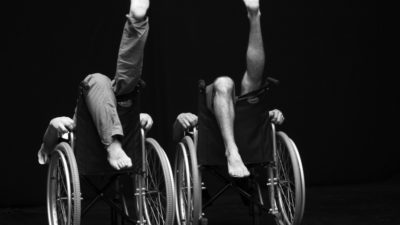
(223, 108)
(255, 50)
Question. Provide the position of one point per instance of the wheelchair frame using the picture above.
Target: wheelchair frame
(285, 183)
(154, 202)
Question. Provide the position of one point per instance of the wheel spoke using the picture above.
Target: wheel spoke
(156, 209)
(60, 191)
(156, 193)
(189, 188)
(63, 189)
(288, 200)
(285, 182)
(186, 190)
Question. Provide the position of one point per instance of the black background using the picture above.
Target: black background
(325, 53)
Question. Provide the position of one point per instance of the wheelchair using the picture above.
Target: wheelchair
(276, 185)
(149, 198)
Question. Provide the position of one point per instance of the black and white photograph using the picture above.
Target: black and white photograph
(198, 112)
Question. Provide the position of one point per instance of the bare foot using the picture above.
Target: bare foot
(236, 167)
(117, 156)
(253, 7)
(139, 8)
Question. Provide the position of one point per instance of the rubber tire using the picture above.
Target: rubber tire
(63, 150)
(152, 147)
(196, 179)
(298, 180)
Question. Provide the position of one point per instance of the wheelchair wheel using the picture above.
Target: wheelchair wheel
(63, 187)
(187, 183)
(158, 199)
(287, 184)
(173, 186)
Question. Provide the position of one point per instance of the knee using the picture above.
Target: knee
(97, 80)
(224, 85)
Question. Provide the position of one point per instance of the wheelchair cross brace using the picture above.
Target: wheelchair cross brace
(100, 195)
(230, 183)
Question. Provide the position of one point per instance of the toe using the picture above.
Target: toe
(121, 164)
(246, 173)
(129, 162)
(235, 174)
(125, 163)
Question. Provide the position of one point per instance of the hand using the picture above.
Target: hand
(146, 121)
(62, 124)
(276, 116)
(187, 120)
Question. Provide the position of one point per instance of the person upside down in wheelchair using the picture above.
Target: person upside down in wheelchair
(221, 95)
(100, 96)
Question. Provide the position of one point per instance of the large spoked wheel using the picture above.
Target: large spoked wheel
(63, 187)
(158, 198)
(187, 183)
(287, 182)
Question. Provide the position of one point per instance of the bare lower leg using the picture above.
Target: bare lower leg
(225, 115)
(255, 55)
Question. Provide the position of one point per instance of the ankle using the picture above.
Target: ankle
(253, 14)
(134, 19)
(115, 143)
(231, 151)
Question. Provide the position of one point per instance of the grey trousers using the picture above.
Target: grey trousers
(110, 107)
(100, 92)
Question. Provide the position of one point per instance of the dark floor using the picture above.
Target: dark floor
(367, 204)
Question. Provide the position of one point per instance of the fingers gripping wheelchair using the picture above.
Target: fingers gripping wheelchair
(150, 199)
(276, 184)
